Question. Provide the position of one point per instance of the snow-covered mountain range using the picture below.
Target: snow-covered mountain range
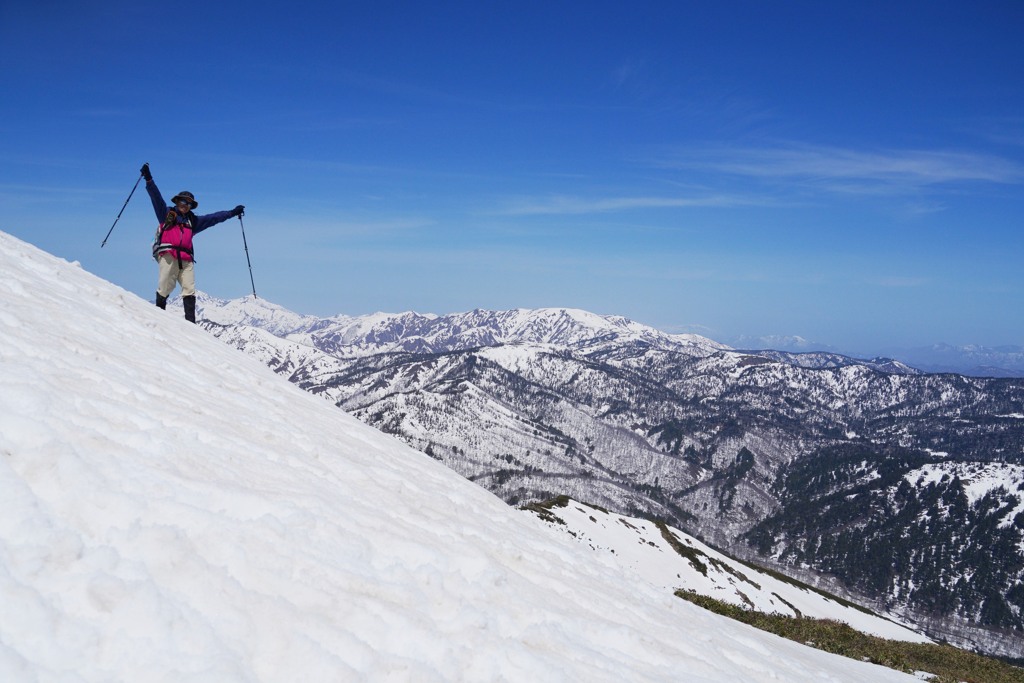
(348, 337)
(173, 511)
(731, 445)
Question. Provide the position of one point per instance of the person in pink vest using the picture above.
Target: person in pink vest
(172, 247)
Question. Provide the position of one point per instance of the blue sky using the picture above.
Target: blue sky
(851, 172)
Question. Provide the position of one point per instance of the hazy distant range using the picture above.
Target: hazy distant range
(977, 361)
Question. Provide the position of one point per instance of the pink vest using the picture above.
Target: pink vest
(176, 239)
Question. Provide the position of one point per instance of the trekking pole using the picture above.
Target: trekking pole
(121, 211)
(246, 245)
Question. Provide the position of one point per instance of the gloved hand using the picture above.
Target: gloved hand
(145, 172)
(238, 210)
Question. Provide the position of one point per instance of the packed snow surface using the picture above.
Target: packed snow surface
(174, 511)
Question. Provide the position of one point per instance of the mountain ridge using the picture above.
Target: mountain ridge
(431, 333)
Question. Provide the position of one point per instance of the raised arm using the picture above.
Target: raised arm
(159, 205)
(212, 219)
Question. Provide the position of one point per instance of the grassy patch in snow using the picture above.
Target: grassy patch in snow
(544, 508)
(687, 552)
(947, 664)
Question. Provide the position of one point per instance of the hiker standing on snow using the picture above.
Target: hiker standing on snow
(172, 248)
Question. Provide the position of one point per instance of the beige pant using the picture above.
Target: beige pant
(170, 275)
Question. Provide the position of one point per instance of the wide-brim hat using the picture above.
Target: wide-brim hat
(187, 196)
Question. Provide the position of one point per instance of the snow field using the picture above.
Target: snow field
(174, 511)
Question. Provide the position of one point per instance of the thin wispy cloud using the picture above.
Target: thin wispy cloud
(623, 73)
(849, 170)
(315, 230)
(900, 281)
(626, 72)
(1002, 130)
(564, 205)
(29, 195)
(106, 113)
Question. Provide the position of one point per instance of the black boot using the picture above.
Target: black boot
(161, 301)
(190, 307)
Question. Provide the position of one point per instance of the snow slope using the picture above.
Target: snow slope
(174, 511)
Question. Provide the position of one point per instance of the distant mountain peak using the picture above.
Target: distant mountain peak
(780, 342)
